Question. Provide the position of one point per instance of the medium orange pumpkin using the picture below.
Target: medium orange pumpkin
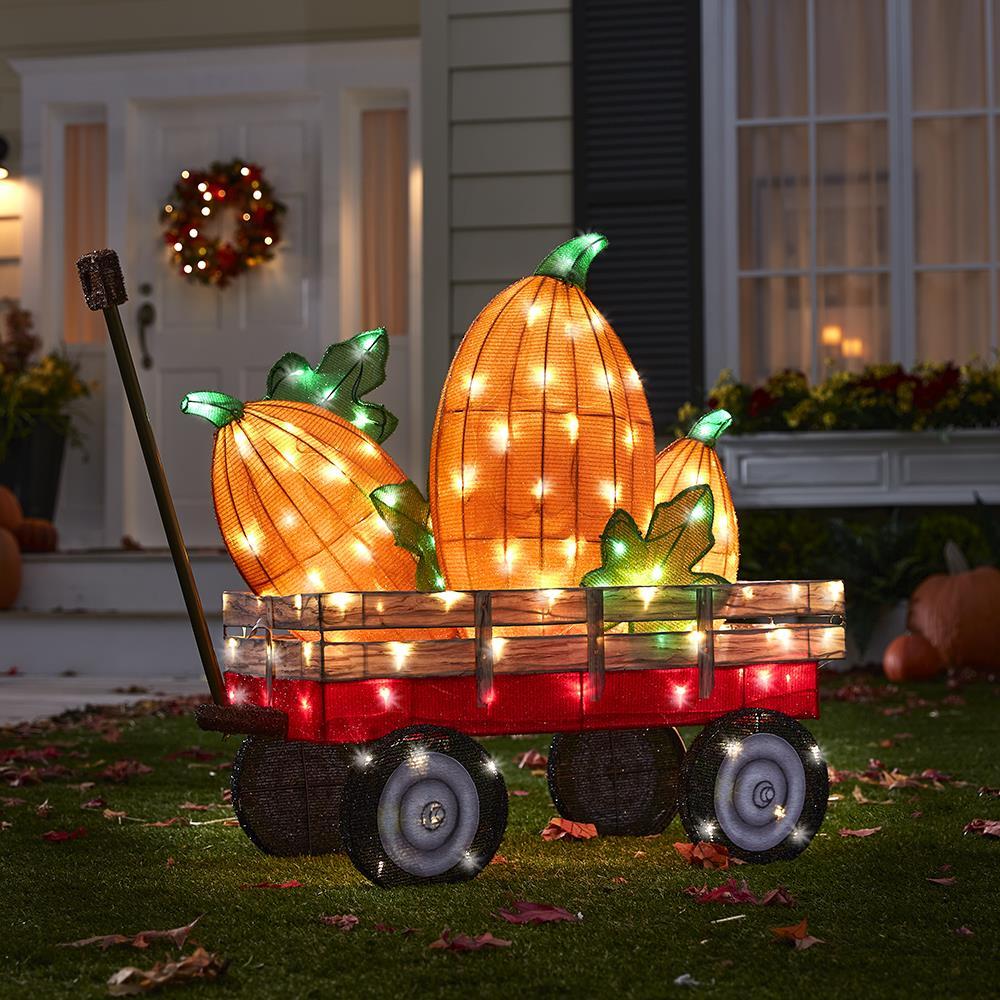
(910, 657)
(11, 514)
(291, 484)
(957, 612)
(691, 460)
(35, 534)
(10, 568)
(542, 430)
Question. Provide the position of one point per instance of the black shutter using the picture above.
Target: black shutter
(637, 177)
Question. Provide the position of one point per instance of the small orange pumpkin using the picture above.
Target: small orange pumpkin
(10, 568)
(35, 534)
(910, 657)
(957, 612)
(11, 514)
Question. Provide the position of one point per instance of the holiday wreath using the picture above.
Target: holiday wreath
(200, 195)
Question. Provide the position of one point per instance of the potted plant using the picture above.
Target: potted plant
(35, 418)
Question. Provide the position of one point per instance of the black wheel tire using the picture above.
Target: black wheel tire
(424, 804)
(624, 781)
(756, 781)
(287, 794)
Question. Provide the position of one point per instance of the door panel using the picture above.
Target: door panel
(206, 337)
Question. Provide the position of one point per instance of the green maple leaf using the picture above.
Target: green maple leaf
(349, 370)
(679, 535)
(408, 515)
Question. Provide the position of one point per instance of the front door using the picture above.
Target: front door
(204, 337)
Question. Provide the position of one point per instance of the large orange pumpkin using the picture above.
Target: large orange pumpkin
(291, 484)
(692, 460)
(11, 514)
(910, 657)
(543, 429)
(957, 612)
(10, 568)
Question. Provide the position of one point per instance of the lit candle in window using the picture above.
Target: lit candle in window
(852, 347)
(831, 335)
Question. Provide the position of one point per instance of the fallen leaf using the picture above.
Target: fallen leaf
(10, 802)
(171, 862)
(531, 758)
(344, 921)
(97, 803)
(947, 880)
(916, 814)
(964, 931)
(523, 912)
(686, 979)
(498, 859)
(173, 821)
(619, 880)
(730, 891)
(290, 884)
(860, 798)
(60, 836)
(200, 964)
(798, 934)
(519, 792)
(176, 936)
(463, 942)
(985, 827)
(777, 897)
(5, 825)
(118, 814)
(194, 807)
(639, 854)
(559, 827)
(704, 855)
(122, 770)
(43, 809)
(859, 833)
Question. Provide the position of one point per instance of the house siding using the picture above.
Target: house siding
(508, 133)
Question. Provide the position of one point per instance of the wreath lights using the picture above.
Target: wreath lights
(201, 196)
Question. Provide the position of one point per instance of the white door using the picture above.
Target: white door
(204, 337)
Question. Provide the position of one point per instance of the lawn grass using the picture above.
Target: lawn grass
(887, 930)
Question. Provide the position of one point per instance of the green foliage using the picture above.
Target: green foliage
(881, 397)
(679, 535)
(349, 370)
(34, 392)
(408, 515)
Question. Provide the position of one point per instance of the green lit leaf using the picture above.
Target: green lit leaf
(348, 372)
(709, 427)
(408, 515)
(679, 535)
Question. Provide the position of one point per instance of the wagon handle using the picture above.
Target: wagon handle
(104, 289)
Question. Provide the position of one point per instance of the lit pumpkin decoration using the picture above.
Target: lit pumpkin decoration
(542, 431)
(291, 485)
(692, 460)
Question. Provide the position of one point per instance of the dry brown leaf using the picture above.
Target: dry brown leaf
(704, 855)
(558, 827)
(343, 921)
(859, 833)
(60, 836)
(798, 934)
(947, 880)
(985, 827)
(122, 770)
(194, 807)
(523, 912)
(531, 758)
(177, 937)
(463, 942)
(859, 797)
(200, 964)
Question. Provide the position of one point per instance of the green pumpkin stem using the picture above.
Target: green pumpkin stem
(570, 261)
(709, 428)
(216, 407)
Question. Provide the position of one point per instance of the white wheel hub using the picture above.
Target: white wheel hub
(760, 791)
(428, 814)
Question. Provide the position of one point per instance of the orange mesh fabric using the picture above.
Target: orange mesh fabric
(291, 485)
(542, 430)
(688, 462)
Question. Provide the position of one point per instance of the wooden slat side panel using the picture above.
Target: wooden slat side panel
(539, 607)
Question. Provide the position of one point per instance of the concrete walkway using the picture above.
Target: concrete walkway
(24, 697)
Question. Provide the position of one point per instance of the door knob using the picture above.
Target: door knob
(146, 317)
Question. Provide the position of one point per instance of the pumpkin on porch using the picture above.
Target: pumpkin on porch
(10, 568)
(910, 657)
(691, 460)
(36, 534)
(957, 612)
(11, 514)
(542, 431)
(291, 484)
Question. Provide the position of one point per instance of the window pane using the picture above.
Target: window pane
(950, 190)
(771, 36)
(852, 195)
(774, 326)
(853, 320)
(953, 311)
(948, 56)
(774, 197)
(850, 56)
(385, 220)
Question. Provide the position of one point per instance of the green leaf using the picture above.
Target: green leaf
(408, 515)
(348, 372)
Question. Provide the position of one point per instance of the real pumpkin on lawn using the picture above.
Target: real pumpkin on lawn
(542, 431)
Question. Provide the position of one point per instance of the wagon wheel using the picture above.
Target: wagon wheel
(425, 804)
(756, 781)
(624, 781)
(287, 794)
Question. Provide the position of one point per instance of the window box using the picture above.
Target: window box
(862, 468)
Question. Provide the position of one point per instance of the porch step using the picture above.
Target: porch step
(111, 614)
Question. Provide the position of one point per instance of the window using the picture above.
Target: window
(856, 162)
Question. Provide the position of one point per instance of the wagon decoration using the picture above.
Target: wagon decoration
(361, 705)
